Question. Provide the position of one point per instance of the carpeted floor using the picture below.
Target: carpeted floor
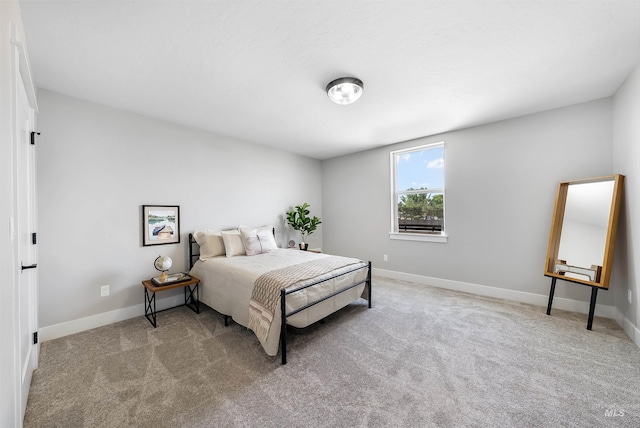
(420, 357)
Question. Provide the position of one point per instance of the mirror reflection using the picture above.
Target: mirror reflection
(584, 230)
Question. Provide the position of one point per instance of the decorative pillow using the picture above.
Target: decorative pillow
(258, 241)
(210, 242)
(232, 243)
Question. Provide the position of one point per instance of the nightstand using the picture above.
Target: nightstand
(190, 297)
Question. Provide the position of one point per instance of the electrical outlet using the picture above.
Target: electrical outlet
(629, 295)
(385, 258)
(104, 291)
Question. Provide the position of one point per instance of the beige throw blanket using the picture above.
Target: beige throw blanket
(266, 292)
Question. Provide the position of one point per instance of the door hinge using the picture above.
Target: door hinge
(35, 337)
(34, 239)
(33, 137)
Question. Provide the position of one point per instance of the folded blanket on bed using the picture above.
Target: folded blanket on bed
(266, 292)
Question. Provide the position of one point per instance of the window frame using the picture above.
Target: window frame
(395, 230)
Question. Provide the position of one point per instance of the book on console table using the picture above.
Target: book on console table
(171, 279)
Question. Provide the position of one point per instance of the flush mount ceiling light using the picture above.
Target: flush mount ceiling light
(345, 90)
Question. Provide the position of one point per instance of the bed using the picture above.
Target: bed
(309, 286)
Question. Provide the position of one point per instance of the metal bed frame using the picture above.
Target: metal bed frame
(194, 255)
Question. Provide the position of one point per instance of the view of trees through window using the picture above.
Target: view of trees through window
(419, 190)
(421, 206)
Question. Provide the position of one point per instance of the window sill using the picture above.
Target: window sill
(418, 237)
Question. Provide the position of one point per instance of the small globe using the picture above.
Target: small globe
(163, 263)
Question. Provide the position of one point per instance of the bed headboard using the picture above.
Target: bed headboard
(194, 249)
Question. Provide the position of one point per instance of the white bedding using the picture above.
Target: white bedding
(226, 284)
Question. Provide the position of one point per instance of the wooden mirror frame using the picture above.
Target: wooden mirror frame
(601, 277)
(601, 273)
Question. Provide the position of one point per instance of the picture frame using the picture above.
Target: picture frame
(160, 224)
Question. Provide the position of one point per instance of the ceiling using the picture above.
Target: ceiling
(257, 70)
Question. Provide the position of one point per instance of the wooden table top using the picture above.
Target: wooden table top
(151, 286)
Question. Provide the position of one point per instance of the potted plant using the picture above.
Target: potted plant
(299, 219)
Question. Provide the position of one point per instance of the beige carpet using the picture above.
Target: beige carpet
(420, 357)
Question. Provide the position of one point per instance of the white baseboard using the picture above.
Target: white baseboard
(518, 296)
(106, 318)
(632, 331)
(500, 293)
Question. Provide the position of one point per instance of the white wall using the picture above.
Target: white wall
(626, 160)
(501, 182)
(97, 166)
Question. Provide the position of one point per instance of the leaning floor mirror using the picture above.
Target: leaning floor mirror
(583, 232)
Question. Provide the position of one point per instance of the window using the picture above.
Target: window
(417, 193)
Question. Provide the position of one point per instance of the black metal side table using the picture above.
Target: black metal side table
(190, 297)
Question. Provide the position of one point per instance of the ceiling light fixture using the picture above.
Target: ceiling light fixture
(345, 90)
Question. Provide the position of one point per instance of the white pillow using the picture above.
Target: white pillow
(258, 241)
(210, 242)
(232, 243)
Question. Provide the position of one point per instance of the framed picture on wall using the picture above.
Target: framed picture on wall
(160, 224)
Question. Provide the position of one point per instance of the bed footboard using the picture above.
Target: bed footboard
(283, 303)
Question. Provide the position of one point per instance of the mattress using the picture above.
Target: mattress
(226, 285)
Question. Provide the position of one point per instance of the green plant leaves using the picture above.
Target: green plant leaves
(298, 219)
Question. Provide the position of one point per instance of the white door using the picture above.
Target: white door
(25, 227)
